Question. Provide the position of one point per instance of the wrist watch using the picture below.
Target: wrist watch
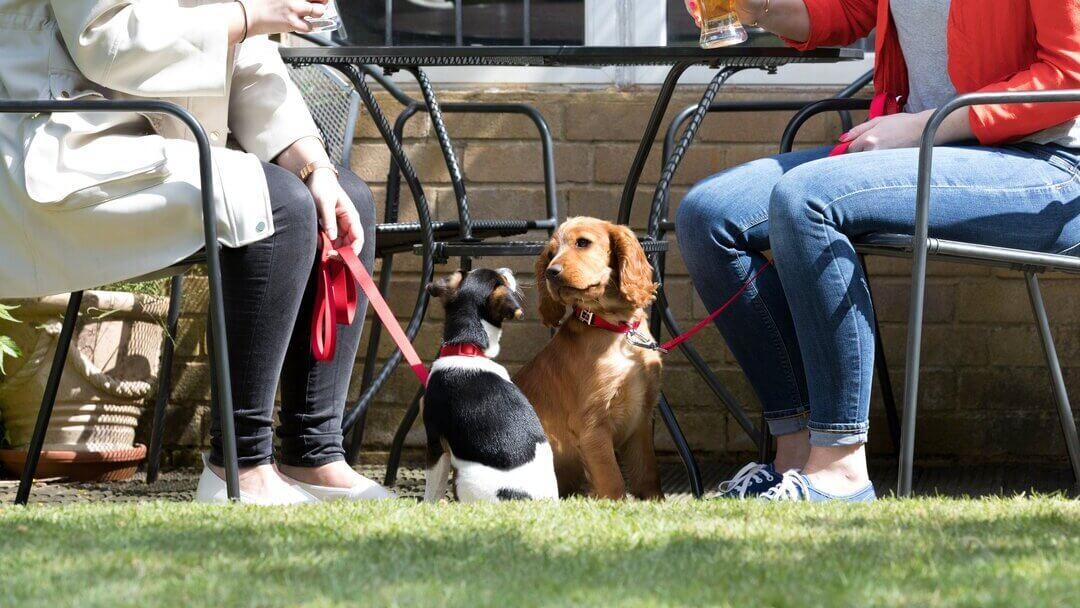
(311, 167)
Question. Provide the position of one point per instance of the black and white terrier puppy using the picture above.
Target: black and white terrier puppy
(478, 423)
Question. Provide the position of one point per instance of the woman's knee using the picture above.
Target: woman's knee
(295, 217)
(796, 202)
(717, 213)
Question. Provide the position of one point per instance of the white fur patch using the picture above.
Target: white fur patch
(509, 276)
(494, 334)
(536, 478)
(473, 364)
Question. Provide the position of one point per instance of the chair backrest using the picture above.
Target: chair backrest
(334, 105)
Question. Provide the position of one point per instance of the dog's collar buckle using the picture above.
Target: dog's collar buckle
(585, 316)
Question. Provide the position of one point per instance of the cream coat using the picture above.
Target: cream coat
(87, 199)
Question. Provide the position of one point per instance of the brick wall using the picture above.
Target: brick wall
(985, 395)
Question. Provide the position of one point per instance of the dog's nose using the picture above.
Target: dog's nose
(553, 271)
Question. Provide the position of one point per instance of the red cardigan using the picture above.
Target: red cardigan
(994, 45)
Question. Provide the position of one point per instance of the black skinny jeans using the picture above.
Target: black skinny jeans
(269, 290)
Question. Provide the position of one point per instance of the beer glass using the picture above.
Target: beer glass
(329, 21)
(720, 25)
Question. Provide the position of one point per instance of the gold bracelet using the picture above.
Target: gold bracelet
(314, 166)
(763, 13)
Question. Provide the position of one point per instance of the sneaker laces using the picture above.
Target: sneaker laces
(750, 474)
(792, 487)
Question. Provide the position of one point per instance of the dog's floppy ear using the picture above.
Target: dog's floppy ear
(635, 275)
(446, 287)
(551, 310)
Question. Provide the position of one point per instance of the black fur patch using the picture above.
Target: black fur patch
(508, 494)
(480, 417)
(483, 418)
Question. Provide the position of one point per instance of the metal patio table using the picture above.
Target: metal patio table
(356, 62)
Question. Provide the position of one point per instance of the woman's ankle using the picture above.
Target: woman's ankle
(792, 450)
(838, 469)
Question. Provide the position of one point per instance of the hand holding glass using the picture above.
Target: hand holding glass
(329, 21)
(720, 25)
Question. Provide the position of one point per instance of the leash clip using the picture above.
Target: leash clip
(636, 338)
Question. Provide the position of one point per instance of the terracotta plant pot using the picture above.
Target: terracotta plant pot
(110, 376)
(103, 465)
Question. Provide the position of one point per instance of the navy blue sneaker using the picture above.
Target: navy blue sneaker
(752, 480)
(795, 486)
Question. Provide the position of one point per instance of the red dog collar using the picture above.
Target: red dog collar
(592, 319)
(467, 349)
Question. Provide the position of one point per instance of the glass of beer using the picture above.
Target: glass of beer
(329, 21)
(720, 25)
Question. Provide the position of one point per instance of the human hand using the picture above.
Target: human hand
(281, 16)
(749, 11)
(336, 212)
(887, 132)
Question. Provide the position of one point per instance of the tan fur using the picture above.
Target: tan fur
(593, 390)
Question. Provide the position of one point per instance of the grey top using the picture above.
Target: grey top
(922, 27)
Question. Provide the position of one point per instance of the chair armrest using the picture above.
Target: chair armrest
(926, 148)
(837, 104)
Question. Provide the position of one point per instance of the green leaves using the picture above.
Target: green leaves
(8, 348)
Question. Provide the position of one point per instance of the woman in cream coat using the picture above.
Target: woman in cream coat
(88, 199)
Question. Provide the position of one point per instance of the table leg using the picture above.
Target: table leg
(660, 195)
(655, 231)
(447, 146)
(647, 139)
(357, 77)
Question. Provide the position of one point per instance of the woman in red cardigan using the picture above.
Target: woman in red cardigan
(1006, 175)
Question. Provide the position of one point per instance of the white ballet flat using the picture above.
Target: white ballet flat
(212, 489)
(365, 490)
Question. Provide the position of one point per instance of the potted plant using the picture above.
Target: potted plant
(110, 375)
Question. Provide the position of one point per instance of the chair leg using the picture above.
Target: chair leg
(157, 423)
(693, 472)
(48, 400)
(911, 377)
(221, 393)
(394, 460)
(1061, 396)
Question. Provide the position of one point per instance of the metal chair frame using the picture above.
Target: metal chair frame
(221, 386)
(920, 247)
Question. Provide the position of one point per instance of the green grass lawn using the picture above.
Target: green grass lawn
(926, 552)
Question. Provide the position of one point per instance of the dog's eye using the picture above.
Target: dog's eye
(583, 243)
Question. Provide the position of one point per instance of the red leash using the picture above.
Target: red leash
(335, 302)
(686, 335)
(630, 329)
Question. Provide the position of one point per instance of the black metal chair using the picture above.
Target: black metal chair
(920, 247)
(220, 385)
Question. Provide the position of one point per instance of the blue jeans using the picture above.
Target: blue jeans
(804, 333)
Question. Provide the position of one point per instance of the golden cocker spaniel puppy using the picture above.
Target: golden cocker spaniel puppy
(592, 388)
